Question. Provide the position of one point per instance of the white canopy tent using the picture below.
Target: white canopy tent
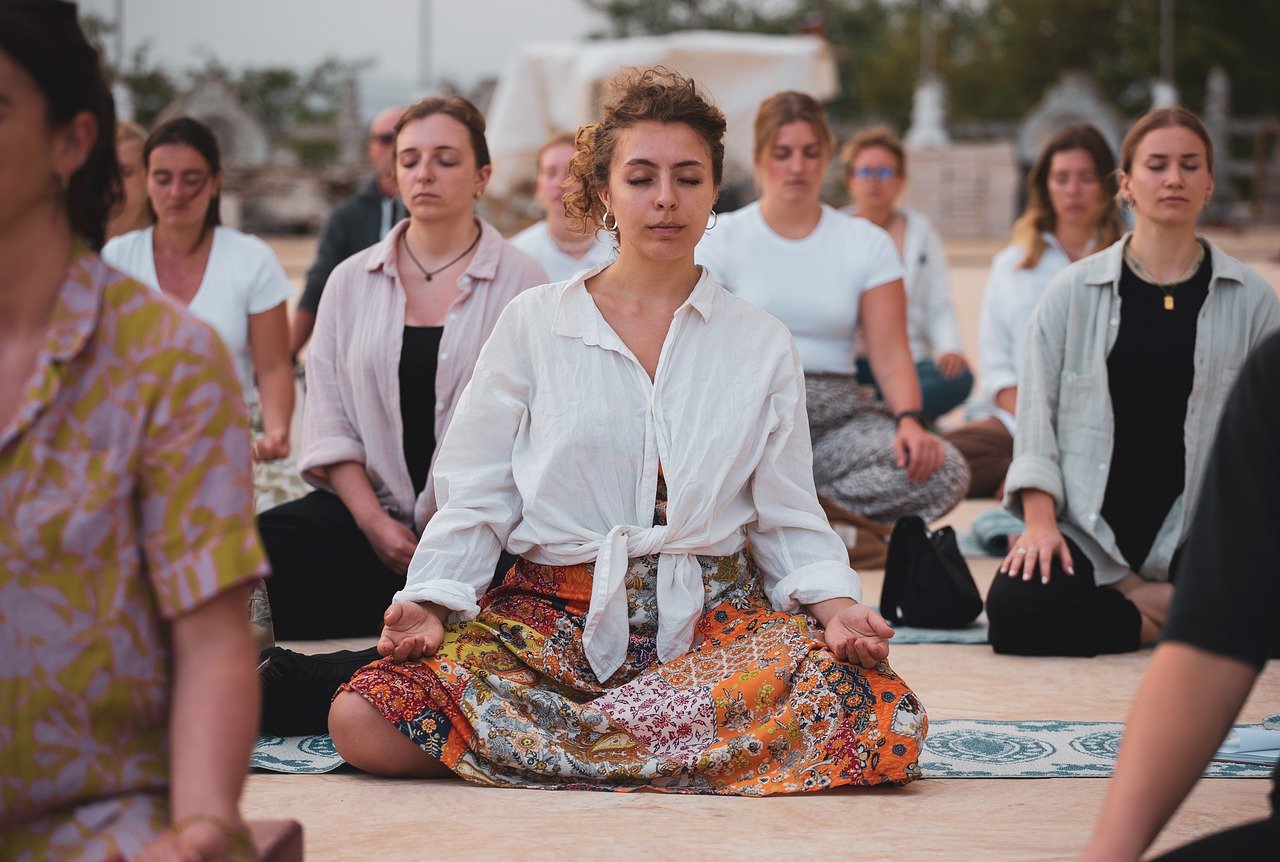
(557, 86)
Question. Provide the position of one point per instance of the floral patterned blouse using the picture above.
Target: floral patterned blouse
(126, 500)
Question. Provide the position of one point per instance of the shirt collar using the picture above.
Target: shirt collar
(578, 317)
(1105, 267)
(75, 313)
(483, 265)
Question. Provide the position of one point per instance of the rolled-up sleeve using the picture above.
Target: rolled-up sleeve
(801, 559)
(1036, 458)
(479, 502)
(328, 434)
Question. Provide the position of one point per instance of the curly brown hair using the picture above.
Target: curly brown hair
(636, 96)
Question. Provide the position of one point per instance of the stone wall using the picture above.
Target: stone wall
(968, 190)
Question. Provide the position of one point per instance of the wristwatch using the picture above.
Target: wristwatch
(908, 414)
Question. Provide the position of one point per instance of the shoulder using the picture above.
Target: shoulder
(1239, 271)
(531, 237)
(127, 246)
(242, 246)
(748, 321)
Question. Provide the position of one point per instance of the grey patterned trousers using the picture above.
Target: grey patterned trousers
(853, 460)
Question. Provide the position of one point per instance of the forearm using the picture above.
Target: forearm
(826, 610)
(1007, 400)
(304, 321)
(897, 379)
(1166, 746)
(352, 485)
(214, 711)
(1038, 508)
(276, 388)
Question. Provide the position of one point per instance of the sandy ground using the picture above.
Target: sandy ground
(354, 817)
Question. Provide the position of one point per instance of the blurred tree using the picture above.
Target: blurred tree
(999, 56)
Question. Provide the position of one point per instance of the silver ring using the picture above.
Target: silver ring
(1020, 550)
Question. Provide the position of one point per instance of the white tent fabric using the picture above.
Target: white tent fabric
(557, 86)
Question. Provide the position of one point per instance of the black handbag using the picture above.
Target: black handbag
(926, 580)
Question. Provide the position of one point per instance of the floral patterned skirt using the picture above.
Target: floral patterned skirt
(759, 705)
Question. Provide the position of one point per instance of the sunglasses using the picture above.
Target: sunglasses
(384, 138)
(875, 173)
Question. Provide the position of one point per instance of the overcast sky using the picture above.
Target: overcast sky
(469, 38)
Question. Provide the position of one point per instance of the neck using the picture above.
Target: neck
(1074, 239)
(1165, 251)
(179, 240)
(879, 216)
(386, 186)
(441, 240)
(791, 220)
(33, 263)
(647, 282)
(567, 237)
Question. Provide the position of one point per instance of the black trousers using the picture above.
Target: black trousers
(1257, 840)
(326, 580)
(1069, 616)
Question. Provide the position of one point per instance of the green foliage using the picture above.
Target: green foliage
(999, 56)
(151, 86)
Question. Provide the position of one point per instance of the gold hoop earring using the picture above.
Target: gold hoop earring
(604, 221)
(715, 220)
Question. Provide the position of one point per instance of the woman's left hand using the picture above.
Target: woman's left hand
(918, 451)
(199, 841)
(952, 365)
(858, 634)
(271, 446)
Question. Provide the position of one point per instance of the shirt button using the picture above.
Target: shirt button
(1093, 518)
(1102, 467)
(1115, 321)
(439, 406)
(444, 354)
(453, 315)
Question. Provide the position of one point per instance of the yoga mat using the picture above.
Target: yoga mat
(975, 633)
(956, 748)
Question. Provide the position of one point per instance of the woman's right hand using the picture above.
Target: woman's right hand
(411, 630)
(392, 541)
(1035, 549)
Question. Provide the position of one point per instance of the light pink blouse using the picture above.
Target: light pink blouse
(352, 410)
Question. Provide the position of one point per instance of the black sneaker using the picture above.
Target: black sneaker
(297, 688)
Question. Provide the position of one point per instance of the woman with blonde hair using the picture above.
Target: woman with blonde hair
(1129, 359)
(1071, 212)
(875, 173)
(629, 433)
(829, 277)
(133, 212)
(556, 242)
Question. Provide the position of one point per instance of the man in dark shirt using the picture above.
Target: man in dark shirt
(355, 224)
(1223, 626)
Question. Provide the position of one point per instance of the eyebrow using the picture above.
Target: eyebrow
(432, 149)
(688, 163)
(1190, 155)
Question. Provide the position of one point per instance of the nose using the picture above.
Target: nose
(1174, 176)
(796, 163)
(666, 193)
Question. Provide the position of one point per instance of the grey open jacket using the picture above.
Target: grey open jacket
(1065, 423)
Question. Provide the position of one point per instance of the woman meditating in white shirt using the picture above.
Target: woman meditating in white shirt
(627, 433)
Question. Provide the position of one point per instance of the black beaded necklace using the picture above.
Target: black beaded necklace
(427, 274)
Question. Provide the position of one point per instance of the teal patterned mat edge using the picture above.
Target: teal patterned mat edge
(955, 748)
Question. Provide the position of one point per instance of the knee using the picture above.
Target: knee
(352, 723)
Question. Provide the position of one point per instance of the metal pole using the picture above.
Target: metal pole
(424, 45)
(1166, 41)
(926, 39)
(119, 35)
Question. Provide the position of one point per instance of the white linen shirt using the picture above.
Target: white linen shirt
(1011, 296)
(555, 449)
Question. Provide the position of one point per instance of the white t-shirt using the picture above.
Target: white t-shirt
(243, 277)
(536, 241)
(813, 285)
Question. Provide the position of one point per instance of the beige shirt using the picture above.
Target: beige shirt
(352, 410)
(1066, 427)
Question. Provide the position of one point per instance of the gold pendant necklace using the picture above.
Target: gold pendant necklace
(1167, 288)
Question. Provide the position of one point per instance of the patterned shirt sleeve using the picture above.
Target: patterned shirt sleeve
(195, 495)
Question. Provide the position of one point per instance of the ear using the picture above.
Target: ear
(482, 178)
(73, 143)
(1122, 184)
(604, 199)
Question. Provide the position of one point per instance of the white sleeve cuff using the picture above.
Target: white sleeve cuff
(454, 595)
(816, 582)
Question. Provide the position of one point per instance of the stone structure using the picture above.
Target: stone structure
(1074, 99)
(928, 116)
(242, 138)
